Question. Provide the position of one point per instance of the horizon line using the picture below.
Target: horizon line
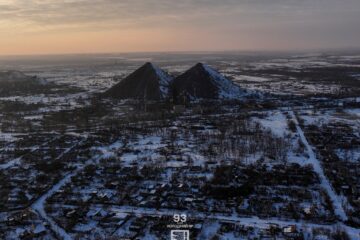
(234, 51)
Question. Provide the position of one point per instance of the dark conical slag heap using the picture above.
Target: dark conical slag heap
(148, 82)
(203, 82)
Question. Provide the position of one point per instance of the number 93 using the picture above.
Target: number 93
(180, 218)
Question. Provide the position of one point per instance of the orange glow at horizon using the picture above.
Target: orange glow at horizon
(105, 26)
(129, 40)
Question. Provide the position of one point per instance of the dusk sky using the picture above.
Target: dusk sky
(91, 26)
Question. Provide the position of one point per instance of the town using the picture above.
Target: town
(260, 150)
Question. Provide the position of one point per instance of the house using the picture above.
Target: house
(179, 108)
(97, 214)
(197, 109)
(71, 213)
(289, 229)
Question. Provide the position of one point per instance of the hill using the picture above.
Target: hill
(148, 82)
(203, 82)
(17, 83)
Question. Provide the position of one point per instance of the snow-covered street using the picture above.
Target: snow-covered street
(336, 201)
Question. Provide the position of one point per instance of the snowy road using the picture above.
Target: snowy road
(246, 221)
(10, 163)
(335, 199)
(39, 207)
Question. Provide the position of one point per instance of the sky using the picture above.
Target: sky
(100, 26)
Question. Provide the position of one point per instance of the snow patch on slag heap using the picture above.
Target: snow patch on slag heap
(164, 80)
(226, 88)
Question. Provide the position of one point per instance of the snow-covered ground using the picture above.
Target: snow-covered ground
(255, 222)
(39, 206)
(175, 146)
(276, 122)
(336, 200)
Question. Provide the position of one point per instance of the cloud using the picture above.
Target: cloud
(302, 22)
(52, 13)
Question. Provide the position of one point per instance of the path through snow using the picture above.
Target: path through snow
(39, 207)
(335, 199)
